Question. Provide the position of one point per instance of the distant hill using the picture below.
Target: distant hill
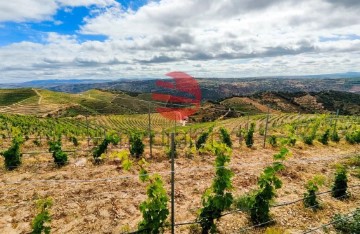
(215, 89)
(92, 102)
(99, 102)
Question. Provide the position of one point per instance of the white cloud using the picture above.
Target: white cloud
(225, 38)
(39, 10)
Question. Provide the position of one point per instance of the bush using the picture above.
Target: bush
(136, 145)
(308, 139)
(273, 141)
(324, 139)
(258, 202)
(60, 157)
(335, 136)
(12, 155)
(41, 223)
(339, 188)
(101, 149)
(216, 199)
(154, 210)
(225, 137)
(249, 137)
(346, 224)
(353, 138)
(312, 187)
(202, 139)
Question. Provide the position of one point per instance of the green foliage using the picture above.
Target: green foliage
(309, 139)
(312, 187)
(225, 137)
(258, 202)
(13, 155)
(216, 199)
(353, 137)
(347, 225)
(41, 223)
(324, 139)
(202, 139)
(101, 149)
(249, 136)
(335, 136)
(291, 140)
(136, 145)
(339, 188)
(154, 209)
(60, 157)
(273, 141)
(124, 157)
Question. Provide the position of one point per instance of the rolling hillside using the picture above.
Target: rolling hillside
(92, 102)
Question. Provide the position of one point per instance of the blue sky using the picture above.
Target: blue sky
(66, 21)
(109, 39)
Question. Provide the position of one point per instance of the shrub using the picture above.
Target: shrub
(190, 152)
(339, 188)
(353, 138)
(335, 136)
(273, 141)
(249, 137)
(257, 203)
(225, 137)
(12, 155)
(154, 209)
(347, 224)
(41, 223)
(308, 139)
(123, 156)
(324, 139)
(136, 145)
(60, 157)
(202, 140)
(312, 187)
(216, 199)
(101, 149)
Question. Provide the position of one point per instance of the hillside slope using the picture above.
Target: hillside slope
(92, 102)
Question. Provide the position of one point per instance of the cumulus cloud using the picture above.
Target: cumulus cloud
(225, 38)
(38, 10)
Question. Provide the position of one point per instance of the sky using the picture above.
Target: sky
(108, 39)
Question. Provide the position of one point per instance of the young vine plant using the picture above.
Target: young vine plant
(154, 209)
(60, 157)
(217, 198)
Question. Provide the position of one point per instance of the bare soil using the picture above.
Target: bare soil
(104, 198)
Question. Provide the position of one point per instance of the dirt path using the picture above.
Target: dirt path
(39, 94)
